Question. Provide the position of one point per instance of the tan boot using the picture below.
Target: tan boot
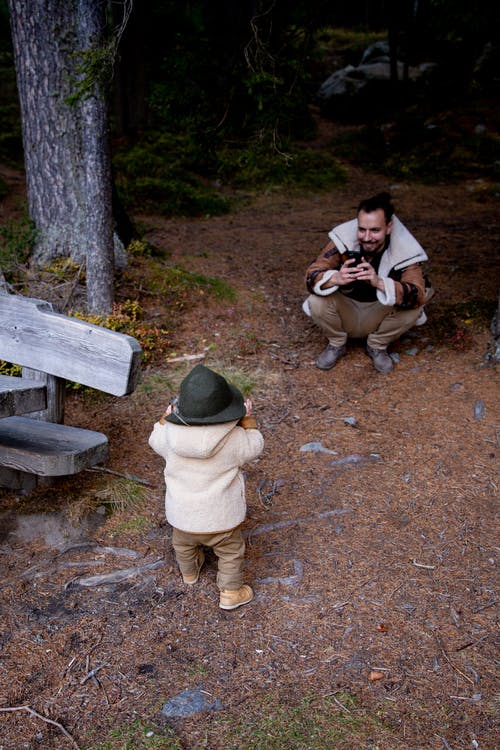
(230, 599)
(190, 580)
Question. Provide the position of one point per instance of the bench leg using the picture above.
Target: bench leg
(19, 481)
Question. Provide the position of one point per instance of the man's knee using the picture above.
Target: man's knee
(321, 306)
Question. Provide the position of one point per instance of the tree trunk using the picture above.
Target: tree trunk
(65, 144)
(97, 170)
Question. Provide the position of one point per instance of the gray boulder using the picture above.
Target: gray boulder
(371, 78)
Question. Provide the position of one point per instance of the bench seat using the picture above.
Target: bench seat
(49, 449)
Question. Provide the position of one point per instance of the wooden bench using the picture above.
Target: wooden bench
(51, 349)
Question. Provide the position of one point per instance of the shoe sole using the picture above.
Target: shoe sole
(321, 367)
(235, 606)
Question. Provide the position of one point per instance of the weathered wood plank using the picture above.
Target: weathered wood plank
(56, 395)
(49, 449)
(34, 336)
(21, 396)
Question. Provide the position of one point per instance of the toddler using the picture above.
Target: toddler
(205, 437)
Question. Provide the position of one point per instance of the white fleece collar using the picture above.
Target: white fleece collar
(403, 250)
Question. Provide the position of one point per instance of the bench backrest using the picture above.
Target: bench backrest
(34, 336)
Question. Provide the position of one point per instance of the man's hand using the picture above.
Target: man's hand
(365, 272)
(346, 274)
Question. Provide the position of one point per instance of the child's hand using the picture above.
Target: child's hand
(248, 422)
(165, 414)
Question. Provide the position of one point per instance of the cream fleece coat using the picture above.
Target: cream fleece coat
(205, 485)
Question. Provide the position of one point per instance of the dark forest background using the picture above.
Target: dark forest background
(212, 97)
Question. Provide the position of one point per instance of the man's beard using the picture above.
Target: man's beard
(371, 249)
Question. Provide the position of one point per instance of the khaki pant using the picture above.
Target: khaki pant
(341, 317)
(229, 546)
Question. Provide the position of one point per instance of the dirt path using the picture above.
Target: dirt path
(370, 528)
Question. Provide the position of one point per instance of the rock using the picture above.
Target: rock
(376, 51)
(316, 447)
(351, 82)
(355, 458)
(189, 702)
(478, 409)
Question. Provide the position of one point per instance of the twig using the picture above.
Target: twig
(421, 565)
(485, 606)
(447, 746)
(341, 705)
(186, 357)
(43, 718)
(92, 673)
(115, 576)
(452, 665)
(278, 421)
(344, 708)
(130, 477)
(471, 643)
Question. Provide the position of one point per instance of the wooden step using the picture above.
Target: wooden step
(49, 449)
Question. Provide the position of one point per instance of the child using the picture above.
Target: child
(205, 438)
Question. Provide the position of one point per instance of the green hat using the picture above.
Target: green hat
(205, 397)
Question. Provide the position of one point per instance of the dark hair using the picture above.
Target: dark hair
(381, 200)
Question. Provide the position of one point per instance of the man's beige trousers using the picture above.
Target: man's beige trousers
(341, 317)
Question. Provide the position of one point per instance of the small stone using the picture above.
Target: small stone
(189, 702)
(478, 409)
(395, 357)
(412, 352)
(316, 447)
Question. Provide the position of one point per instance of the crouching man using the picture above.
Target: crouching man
(367, 283)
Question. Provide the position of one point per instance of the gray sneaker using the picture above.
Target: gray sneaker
(329, 357)
(381, 360)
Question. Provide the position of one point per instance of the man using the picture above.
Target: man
(367, 283)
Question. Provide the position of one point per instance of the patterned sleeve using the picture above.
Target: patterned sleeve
(410, 287)
(327, 260)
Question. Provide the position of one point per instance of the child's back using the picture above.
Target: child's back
(205, 441)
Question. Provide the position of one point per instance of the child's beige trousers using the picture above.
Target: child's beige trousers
(229, 546)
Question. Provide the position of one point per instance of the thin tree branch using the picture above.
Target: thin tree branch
(36, 715)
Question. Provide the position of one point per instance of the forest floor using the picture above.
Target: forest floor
(371, 540)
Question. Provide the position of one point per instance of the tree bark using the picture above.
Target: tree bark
(97, 170)
(65, 143)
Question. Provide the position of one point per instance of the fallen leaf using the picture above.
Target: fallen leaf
(382, 627)
(374, 675)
